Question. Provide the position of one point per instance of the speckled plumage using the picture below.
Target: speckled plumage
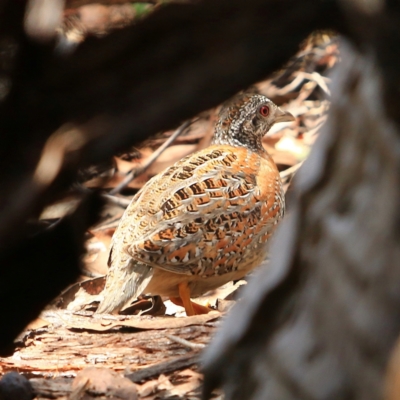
(205, 220)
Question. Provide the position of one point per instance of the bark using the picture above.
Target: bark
(322, 321)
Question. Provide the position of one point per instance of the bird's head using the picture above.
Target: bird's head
(244, 120)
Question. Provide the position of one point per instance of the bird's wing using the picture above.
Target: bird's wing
(203, 215)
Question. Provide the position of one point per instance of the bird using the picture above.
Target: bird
(205, 220)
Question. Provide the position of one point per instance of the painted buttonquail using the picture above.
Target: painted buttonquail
(205, 220)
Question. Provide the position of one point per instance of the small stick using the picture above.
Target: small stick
(290, 171)
(119, 201)
(136, 172)
(185, 342)
(163, 368)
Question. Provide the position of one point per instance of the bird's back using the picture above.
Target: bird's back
(204, 214)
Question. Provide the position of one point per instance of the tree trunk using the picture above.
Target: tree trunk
(321, 321)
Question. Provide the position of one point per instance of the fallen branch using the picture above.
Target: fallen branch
(164, 368)
(138, 171)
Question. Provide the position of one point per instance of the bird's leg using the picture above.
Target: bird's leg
(183, 300)
(184, 294)
(198, 308)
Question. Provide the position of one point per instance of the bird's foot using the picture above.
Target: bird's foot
(198, 309)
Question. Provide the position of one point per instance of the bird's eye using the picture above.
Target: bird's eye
(264, 111)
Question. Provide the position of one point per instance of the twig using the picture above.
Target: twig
(119, 201)
(134, 173)
(163, 368)
(185, 342)
(290, 171)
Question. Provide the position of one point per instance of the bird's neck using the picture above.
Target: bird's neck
(239, 138)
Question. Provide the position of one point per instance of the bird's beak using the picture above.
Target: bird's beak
(283, 116)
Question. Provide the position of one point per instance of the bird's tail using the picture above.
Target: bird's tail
(124, 284)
